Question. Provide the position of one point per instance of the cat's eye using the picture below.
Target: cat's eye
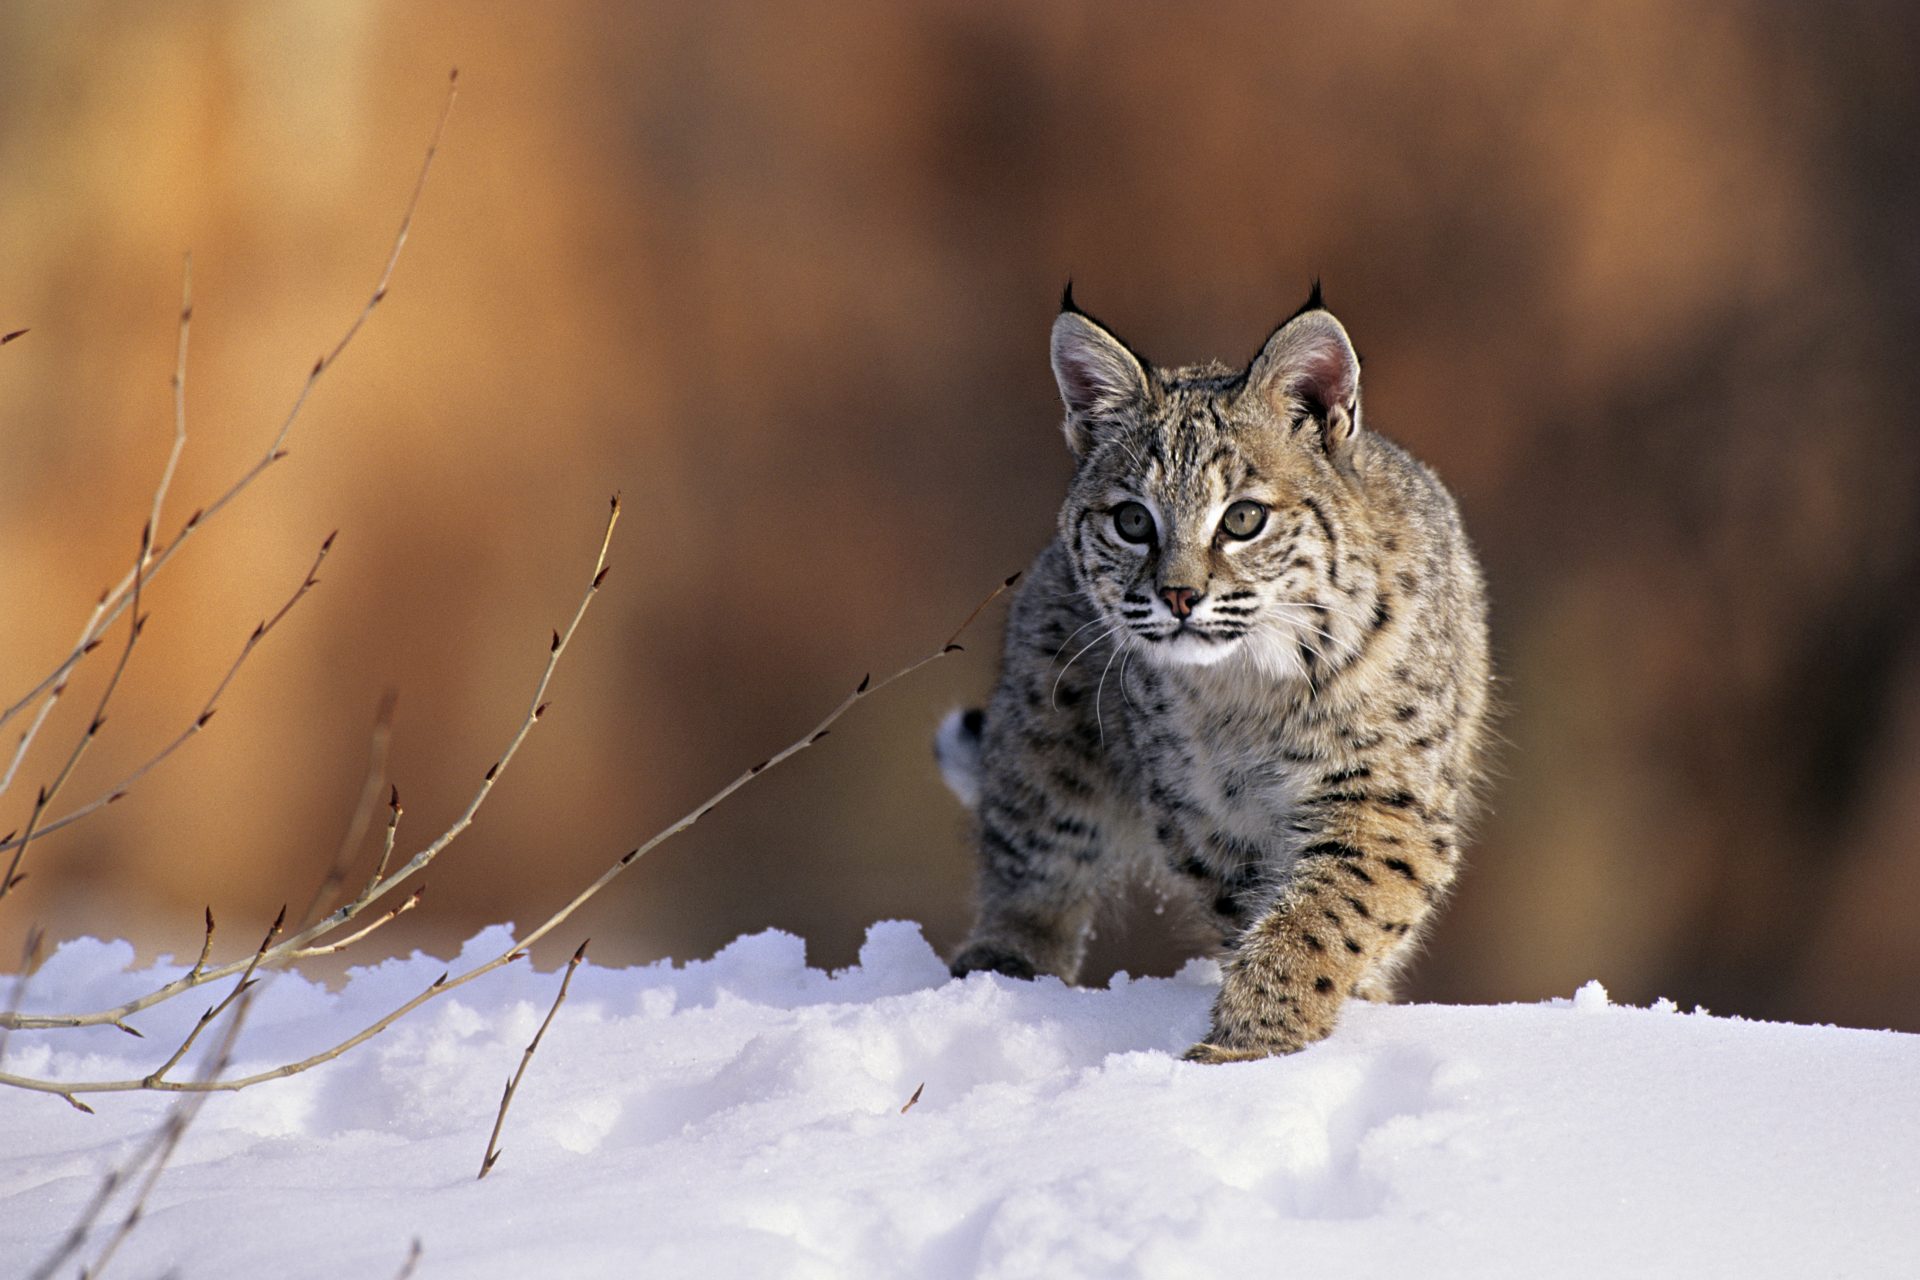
(1133, 521)
(1244, 519)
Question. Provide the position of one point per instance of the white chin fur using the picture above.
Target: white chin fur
(1192, 651)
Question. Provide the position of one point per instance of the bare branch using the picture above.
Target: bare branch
(240, 989)
(114, 600)
(362, 810)
(341, 944)
(301, 939)
(120, 789)
(447, 981)
(153, 518)
(166, 1139)
(152, 1155)
(161, 1146)
(179, 401)
(386, 852)
(77, 1233)
(29, 961)
(506, 1099)
(206, 948)
(47, 793)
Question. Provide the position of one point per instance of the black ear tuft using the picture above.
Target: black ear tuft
(1313, 302)
(1309, 366)
(1066, 299)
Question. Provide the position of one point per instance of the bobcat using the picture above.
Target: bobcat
(1253, 665)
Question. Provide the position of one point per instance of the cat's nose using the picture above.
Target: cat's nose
(1180, 599)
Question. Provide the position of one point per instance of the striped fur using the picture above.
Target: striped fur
(1285, 728)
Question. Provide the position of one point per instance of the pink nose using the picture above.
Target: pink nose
(1180, 599)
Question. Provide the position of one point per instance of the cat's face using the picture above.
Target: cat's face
(1205, 519)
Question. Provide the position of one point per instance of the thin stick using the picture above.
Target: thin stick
(152, 521)
(206, 949)
(341, 944)
(135, 625)
(114, 600)
(538, 708)
(171, 1131)
(77, 1233)
(446, 982)
(513, 1084)
(240, 989)
(29, 961)
(386, 850)
(374, 892)
(179, 397)
(120, 789)
(413, 1260)
(156, 1151)
(362, 811)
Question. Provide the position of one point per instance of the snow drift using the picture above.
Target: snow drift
(742, 1116)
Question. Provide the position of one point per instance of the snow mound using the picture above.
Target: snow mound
(743, 1116)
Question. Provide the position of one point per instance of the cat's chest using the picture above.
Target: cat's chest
(1227, 766)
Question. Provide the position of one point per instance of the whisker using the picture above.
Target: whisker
(1054, 696)
(1307, 626)
(1076, 631)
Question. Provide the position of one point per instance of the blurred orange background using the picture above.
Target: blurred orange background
(1640, 280)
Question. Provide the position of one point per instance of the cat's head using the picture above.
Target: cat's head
(1208, 511)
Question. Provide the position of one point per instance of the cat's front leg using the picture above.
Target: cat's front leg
(1047, 856)
(1359, 891)
(1035, 906)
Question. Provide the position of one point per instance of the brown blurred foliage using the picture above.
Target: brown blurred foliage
(1640, 280)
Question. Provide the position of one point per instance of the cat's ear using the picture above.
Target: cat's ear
(1308, 371)
(1099, 378)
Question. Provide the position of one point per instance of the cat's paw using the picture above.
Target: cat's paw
(1207, 1051)
(1248, 1043)
(992, 958)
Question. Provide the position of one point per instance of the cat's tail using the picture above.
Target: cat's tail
(957, 747)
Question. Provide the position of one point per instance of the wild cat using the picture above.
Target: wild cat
(1252, 665)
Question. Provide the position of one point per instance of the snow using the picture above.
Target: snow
(742, 1116)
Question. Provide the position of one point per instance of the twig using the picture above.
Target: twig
(167, 1138)
(413, 1260)
(98, 621)
(120, 789)
(240, 989)
(513, 1084)
(303, 938)
(386, 851)
(153, 519)
(162, 1144)
(362, 811)
(135, 625)
(447, 982)
(179, 399)
(341, 944)
(29, 961)
(153, 1155)
(114, 600)
(77, 1233)
(206, 949)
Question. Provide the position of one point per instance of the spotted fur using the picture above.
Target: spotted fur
(1285, 730)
